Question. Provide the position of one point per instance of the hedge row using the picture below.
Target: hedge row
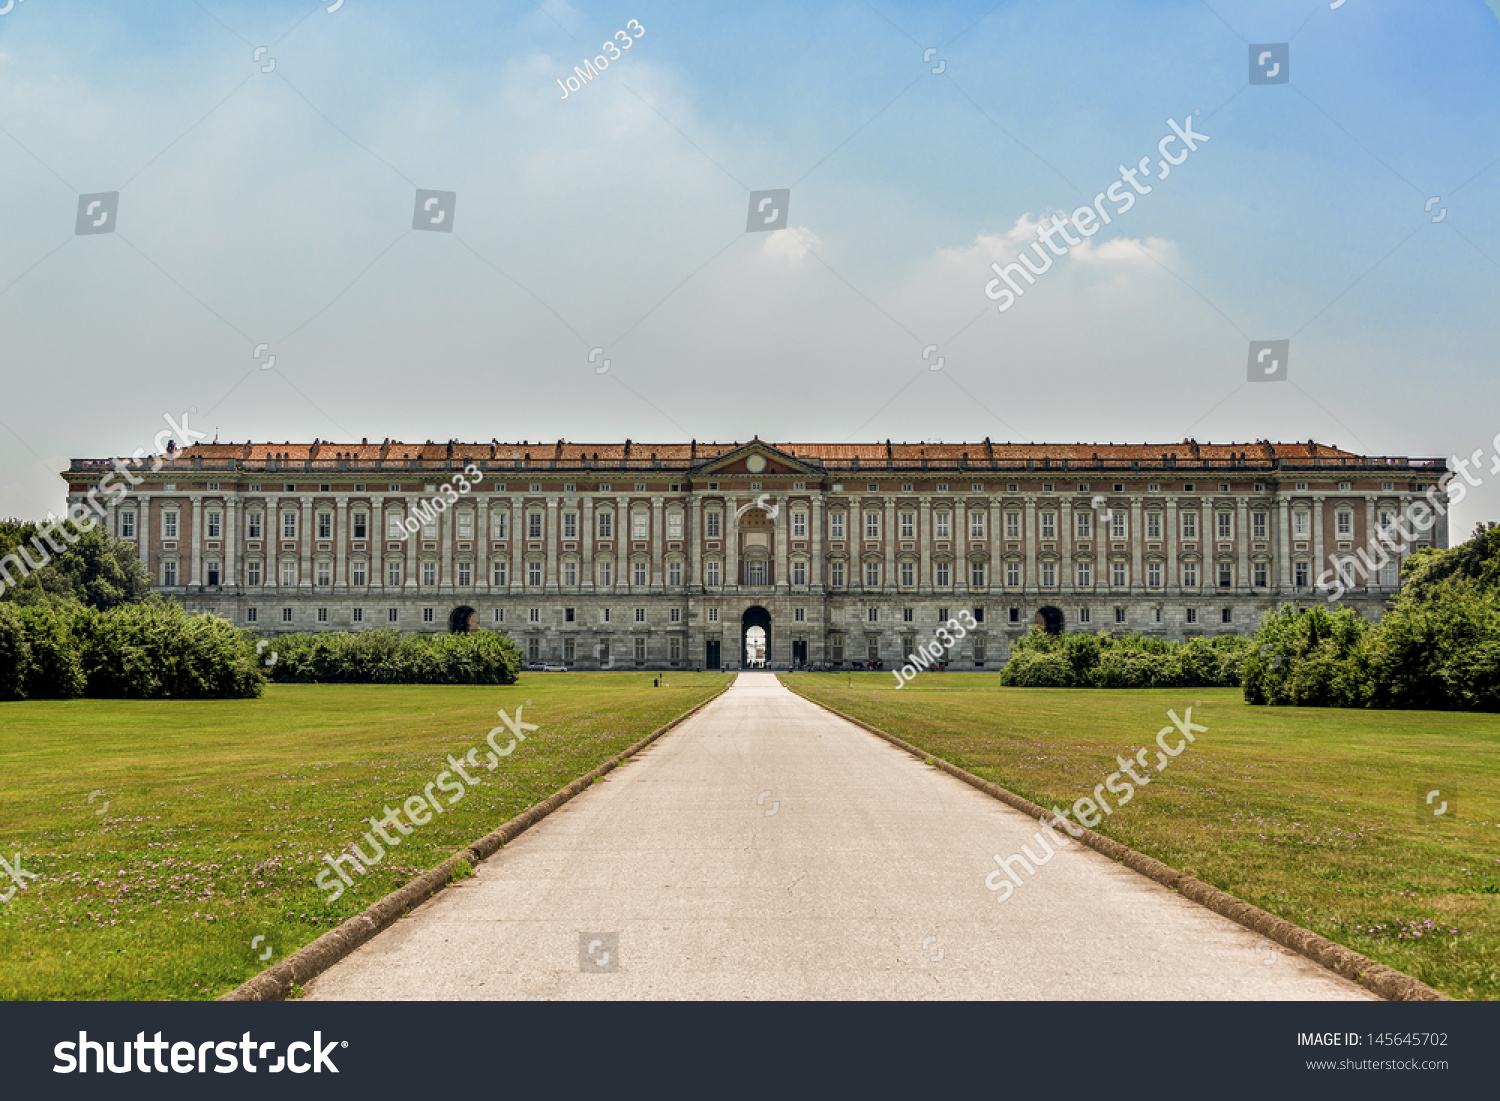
(1041, 660)
(390, 657)
(151, 650)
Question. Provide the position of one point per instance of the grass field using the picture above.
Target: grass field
(166, 836)
(1310, 813)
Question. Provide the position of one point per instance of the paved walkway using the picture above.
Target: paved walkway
(766, 849)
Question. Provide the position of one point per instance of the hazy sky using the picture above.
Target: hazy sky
(277, 207)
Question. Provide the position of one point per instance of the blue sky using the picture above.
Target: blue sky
(277, 208)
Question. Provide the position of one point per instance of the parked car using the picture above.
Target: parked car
(552, 667)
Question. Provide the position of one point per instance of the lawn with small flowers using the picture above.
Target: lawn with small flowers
(174, 844)
(1317, 815)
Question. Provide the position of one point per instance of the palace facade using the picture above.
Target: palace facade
(661, 556)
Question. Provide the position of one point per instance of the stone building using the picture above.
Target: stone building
(665, 555)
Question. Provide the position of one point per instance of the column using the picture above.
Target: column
(231, 541)
(891, 533)
(1030, 582)
(622, 544)
(960, 546)
(586, 539)
(1372, 551)
(412, 543)
(1169, 538)
(1319, 565)
(143, 532)
(1065, 544)
(377, 542)
(551, 582)
(1242, 542)
(924, 544)
(781, 531)
(731, 541)
(993, 534)
(482, 544)
(856, 545)
(1137, 548)
(341, 543)
(1282, 519)
(305, 542)
(658, 545)
(517, 543)
(446, 523)
(816, 577)
(195, 570)
(695, 545)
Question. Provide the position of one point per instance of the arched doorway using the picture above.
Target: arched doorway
(463, 620)
(755, 618)
(1050, 620)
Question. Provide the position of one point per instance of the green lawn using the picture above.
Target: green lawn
(1310, 813)
(211, 818)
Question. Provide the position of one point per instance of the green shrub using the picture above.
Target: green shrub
(15, 655)
(390, 657)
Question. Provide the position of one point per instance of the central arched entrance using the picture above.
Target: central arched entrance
(463, 621)
(1050, 620)
(755, 619)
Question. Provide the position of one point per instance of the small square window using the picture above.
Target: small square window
(392, 615)
(426, 615)
(1224, 487)
(1189, 487)
(1260, 487)
(358, 615)
(1192, 615)
(1085, 615)
(977, 487)
(713, 615)
(674, 615)
(872, 615)
(873, 487)
(1119, 615)
(942, 487)
(1083, 487)
(942, 615)
(1226, 615)
(567, 615)
(640, 487)
(499, 615)
(536, 487)
(799, 485)
(570, 487)
(252, 615)
(393, 487)
(325, 488)
(799, 615)
(1154, 487)
(905, 487)
(1119, 487)
(907, 614)
(286, 615)
(1046, 487)
(640, 615)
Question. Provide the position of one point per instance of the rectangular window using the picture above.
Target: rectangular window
(1119, 615)
(169, 574)
(942, 615)
(1013, 575)
(169, 525)
(639, 522)
(289, 525)
(533, 615)
(836, 647)
(1226, 525)
(799, 525)
(908, 574)
(499, 573)
(908, 525)
(499, 615)
(1226, 615)
(711, 573)
(466, 574)
(1190, 525)
(872, 615)
(570, 525)
(942, 578)
(604, 613)
(1085, 615)
(429, 573)
(1260, 575)
(674, 573)
(499, 521)
(606, 573)
(713, 615)
(393, 528)
(872, 647)
(674, 649)
(606, 525)
(357, 573)
(1190, 575)
(713, 524)
(674, 524)
(1153, 525)
(1344, 524)
(393, 573)
(392, 615)
(1117, 575)
(252, 573)
(1049, 525)
(674, 615)
(1117, 525)
(212, 522)
(289, 574)
(252, 525)
(466, 524)
(286, 615)
(1258, 525)
(640, 649)
(534, 649)
(1192, 615)
(1084, 524)
(872, 575)
(325, 525)
(127, 525)
(568, 615)
(322, 615)
(252, 615)
(1300, 573)
(534, 574)
(570, 574)
(1012, 525)
(1049, 575)
(1153, 575)
(533, 525)
(361, 525)
(1226, 575)
(755, 572)
(872, 525)
(325, 573)
(908, 615)
(1301, 522)
(640, 615)
(799, 572)
(836, 574)
(836, 525)
(569, 649)
(976, 524)
(976, 575)
(1085, 575)
(639, 570)
(943, 521)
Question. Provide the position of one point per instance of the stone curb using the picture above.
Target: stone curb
(1393, 985)
(275, 982)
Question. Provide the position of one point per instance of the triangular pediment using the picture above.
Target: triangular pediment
(756, 459)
